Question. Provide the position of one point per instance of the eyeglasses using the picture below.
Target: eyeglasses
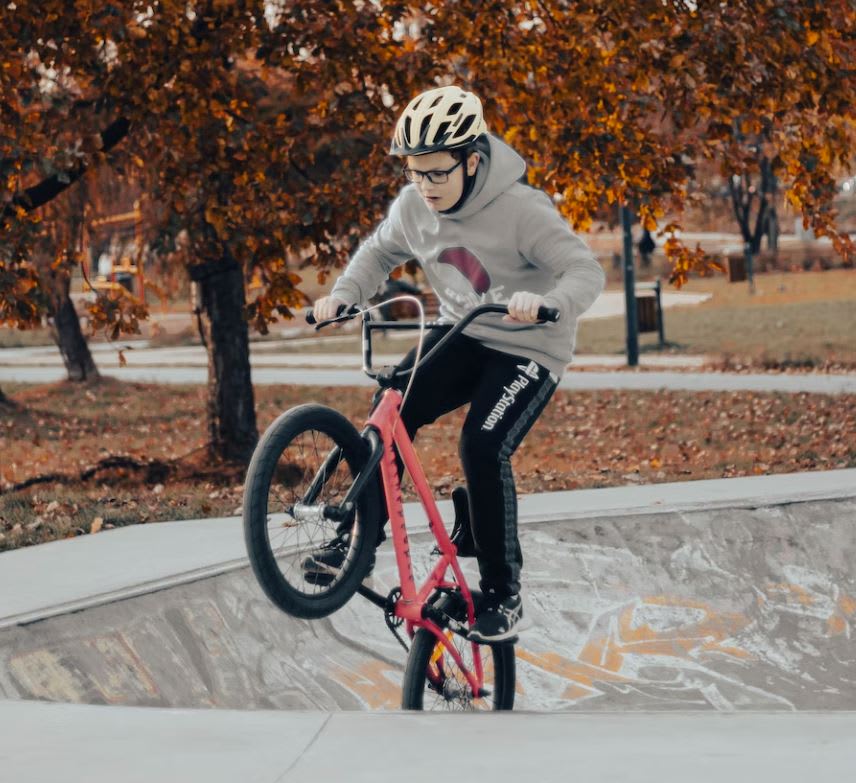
(436, 177)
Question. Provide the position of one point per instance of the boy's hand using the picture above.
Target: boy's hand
(326, 307)
(523, 307)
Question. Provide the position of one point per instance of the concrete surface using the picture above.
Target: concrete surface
(706, 604)
(700, 630)
(719, 610)
(96, 744)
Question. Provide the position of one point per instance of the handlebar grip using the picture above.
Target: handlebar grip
(548, 314)
(340, 311)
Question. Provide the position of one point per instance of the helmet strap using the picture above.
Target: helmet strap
(469, 181)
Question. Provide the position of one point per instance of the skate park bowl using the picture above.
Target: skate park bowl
(675, 623)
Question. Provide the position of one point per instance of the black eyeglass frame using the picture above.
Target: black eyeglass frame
(412, 175)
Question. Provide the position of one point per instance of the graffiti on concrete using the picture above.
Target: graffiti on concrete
(748, 609)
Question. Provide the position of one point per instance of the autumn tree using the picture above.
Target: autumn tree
(264, 125)
(264, 158)
(623, 101)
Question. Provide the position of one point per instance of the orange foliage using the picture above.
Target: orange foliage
(265, 138)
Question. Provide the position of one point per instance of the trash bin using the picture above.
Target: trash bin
(649, 309)
(646, 309)
(736, 268)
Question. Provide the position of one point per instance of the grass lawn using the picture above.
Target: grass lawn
(798, 318)
(801, 319)
(806, 318)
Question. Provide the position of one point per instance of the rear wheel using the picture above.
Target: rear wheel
(300, 472)
(433, 681)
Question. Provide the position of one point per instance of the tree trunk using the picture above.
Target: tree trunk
(70, 340)
(219, 294)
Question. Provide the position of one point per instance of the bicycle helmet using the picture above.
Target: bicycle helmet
(444, 118)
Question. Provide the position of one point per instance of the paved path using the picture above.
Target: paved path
(649, 380)
(276, 362)
(277, 354)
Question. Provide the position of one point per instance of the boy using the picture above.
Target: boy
(481, 235)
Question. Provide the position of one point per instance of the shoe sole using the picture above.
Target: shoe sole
(509, 636)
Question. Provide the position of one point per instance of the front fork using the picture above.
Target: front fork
(344, 511)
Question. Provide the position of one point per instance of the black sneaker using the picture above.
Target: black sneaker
(322, 566)
(499, 620)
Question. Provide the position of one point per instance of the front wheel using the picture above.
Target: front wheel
(433, 681)
(302, 468)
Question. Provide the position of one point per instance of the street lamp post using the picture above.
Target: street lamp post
(630, 290)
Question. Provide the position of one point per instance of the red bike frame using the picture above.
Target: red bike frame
(386, 420)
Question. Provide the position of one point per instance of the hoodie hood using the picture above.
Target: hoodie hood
(499, 168)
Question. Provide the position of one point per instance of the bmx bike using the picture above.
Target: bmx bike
(313, 478)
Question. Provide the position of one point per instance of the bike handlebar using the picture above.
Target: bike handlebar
(345, 313)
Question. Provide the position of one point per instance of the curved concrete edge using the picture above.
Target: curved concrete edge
(705, 494)
(95, 744)
(94, 570)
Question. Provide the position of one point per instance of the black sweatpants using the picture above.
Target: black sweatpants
(506, 394)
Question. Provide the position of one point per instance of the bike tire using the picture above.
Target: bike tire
(280, 466)
(417, 683)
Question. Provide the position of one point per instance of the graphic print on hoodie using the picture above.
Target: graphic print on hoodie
(468, 264)
(506, 237)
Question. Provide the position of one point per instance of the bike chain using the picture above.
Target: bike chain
(393, 622)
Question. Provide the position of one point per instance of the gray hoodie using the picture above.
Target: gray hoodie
(506, 237)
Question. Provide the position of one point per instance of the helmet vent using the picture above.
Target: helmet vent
(442, 130)
(423, 128)
(465, 125)
(406, 130)
(455, 107)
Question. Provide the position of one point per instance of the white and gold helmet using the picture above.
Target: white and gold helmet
(444, 118)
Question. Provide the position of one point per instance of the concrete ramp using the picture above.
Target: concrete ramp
(743, 608)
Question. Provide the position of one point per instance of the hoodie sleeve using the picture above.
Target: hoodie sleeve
(545, 239)
(375, 258)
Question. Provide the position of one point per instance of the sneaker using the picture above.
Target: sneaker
(322, 566)
(499, 619)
